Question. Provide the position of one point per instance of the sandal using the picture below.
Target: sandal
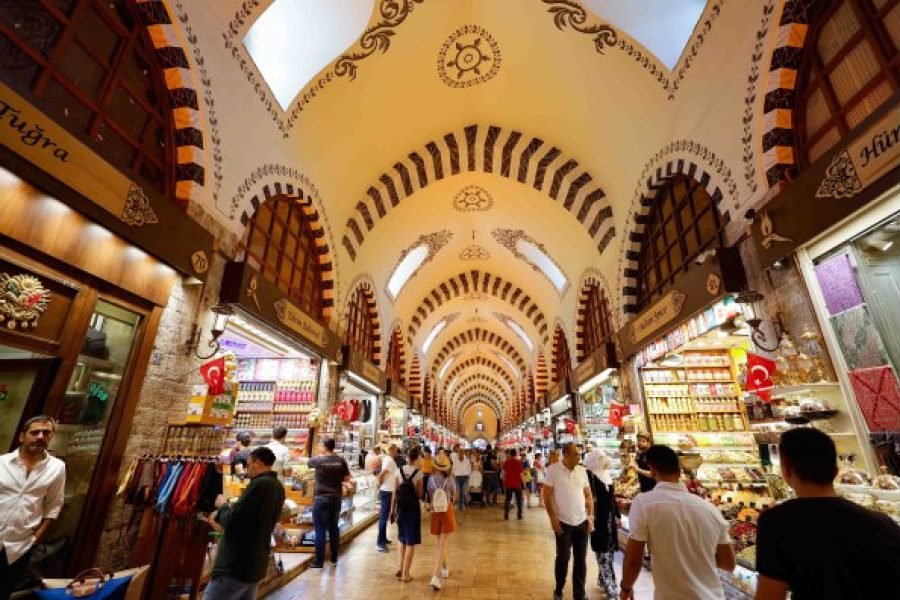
(399, 574)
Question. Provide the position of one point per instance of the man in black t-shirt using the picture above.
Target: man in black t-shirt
(645, 480)
(331, 474)
(821, 546)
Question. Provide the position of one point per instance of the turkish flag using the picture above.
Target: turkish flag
(616, 412)
(759, 376)
(214, 374)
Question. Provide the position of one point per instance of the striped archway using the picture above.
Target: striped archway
(473, 282)
(364, 285)
(591, 279)
(476, 335)
(469, 402)
(486, 149)
(494, 365)
(487, 378)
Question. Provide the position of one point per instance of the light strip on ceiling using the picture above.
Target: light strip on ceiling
(256, 335)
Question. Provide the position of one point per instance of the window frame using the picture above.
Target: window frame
(360, 333)
(562, 359)
(597, 323)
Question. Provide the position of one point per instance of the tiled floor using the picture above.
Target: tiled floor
(490, 559)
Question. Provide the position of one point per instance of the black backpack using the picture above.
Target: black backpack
(406, 492)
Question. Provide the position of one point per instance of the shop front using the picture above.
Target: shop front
(397, 425)
(562, 410)
(601, 406)
(362, 387)
(88, 260)
(840, 222)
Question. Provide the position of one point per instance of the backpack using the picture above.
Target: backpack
(440, 503)
(406, 492)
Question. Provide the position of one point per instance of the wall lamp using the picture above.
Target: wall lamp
(221, 316)
(749, 299)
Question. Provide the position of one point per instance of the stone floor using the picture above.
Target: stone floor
(490, 559)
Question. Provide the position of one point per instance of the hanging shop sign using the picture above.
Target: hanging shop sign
(833, 188)
(600, 360)
(357, 363)
(692, 291)
(105, 194)
(244, 287)
(399, 392)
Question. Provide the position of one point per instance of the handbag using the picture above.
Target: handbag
(92, 584)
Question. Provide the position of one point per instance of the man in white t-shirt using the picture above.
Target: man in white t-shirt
(462, 469)
(570, 506)
(387, 480)
(282, 453)
(688, 537)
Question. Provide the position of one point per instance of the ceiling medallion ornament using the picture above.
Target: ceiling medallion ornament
(476, 296)
(473, 198)
(474, 252)
(23, 298)
(469, 56)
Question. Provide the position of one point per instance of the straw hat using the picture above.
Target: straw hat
(441, 462)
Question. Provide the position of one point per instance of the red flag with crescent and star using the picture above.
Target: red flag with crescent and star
(616, 412)
(759, 376)
(214, 374)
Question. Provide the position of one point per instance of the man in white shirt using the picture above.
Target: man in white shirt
(687, 535)
(31, 496)
(570, 506)
(387, 480)
(462, 469)
(282, 453)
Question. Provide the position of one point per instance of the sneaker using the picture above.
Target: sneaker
(382, 548)
(445, 572)
(315, 566)
(435, 582)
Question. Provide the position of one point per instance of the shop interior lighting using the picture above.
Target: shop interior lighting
(548, 267)
(409, 265)
(293, 40)
(881, 241)
(433, 335)
(595, 380)
(255, 334)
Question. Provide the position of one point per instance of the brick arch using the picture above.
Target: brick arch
(485, 149)
(478, 388)
(316, 224)
(414, 379)
(640, 211)
(778, 139)
(181, 83)
(364, 284)
(477, 281)
(486, 378)
(482, 361)
(469, 402)
(591, 278)
(473, 336)
(396, 336)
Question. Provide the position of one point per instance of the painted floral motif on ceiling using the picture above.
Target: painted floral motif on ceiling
(434, 241)
(508, 238)
(748, 121)
(475, 296)
(571, 14)
(376, 39)
(473, 198)
(470, 56)
(474, 252)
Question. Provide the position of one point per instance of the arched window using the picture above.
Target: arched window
(87, 63)
(394, 364)
(562, 361)
(360, 329)
(280, 245)
(851, 68)
(597, 326)
(683, 222)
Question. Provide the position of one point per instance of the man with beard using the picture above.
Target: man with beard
(31, 496)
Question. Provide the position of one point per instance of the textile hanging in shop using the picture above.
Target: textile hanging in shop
(859, 338)
(837, 280)
(878, 395)
(759, 375)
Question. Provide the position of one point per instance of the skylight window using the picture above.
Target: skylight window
(295, 39)
(539, 258)
(509, 363)
(409, 265)
(520, 332)
(445, 367)
(433, 335)
(664, 27)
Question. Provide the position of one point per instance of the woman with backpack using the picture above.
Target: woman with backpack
(407, 512)
(442, 495)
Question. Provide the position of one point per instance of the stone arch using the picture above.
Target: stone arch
(487, 149)
(475, 335)
(591, 277)
(638, 217)
(364, 284)
(414, 379)
(482, 361)
(475, 282)
(479, 377)
(478, 388)
(172, 58)
(469, 402)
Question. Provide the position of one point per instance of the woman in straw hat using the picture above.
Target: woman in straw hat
(441, 496)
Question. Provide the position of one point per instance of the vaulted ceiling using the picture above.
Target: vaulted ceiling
(505, 137)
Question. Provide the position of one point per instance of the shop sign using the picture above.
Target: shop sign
(832, 189)
(155, 224)
(400, 393)
(557, 396)
(601, 359)
(661, 312)
(360, 365)
(293, 317)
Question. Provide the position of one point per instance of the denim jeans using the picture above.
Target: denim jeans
(11, 574)
(510, 492)
(326, 513)
(385, 498)
(462, 491)
(572, 540)
(491, 486)
(229, 588)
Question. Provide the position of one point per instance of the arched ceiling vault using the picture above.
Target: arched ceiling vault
(484, 363)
